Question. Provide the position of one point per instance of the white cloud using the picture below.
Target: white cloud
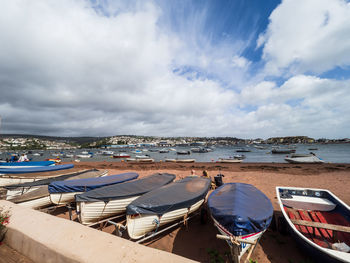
(307, 36)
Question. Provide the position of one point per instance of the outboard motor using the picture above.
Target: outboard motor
(218, 179)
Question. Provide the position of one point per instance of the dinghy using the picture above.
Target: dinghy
(304, 159)
(318, 220)
(111, 200)
(241, 213)
(40, 197)
(165, 205)
(16, 165)
(27, 175)
(38, 169)
(229, 160)
(63, 192)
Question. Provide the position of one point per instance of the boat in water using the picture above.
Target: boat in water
(165, 205)
(318, 220)
(241, 213)
(63, 192)
(311, 158)
(111, 200)
(282, 151)
(121, 155)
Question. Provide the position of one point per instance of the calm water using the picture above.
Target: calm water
(333, 153)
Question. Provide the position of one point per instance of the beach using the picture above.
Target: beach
(198, 241)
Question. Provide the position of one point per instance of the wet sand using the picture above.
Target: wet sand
(198, 241)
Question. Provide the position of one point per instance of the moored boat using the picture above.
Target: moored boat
(282, 151)
(241, 213)
(229, 160)
(111, 200)
(318, 220)
(165, 205)
(121, 155)
(304, 159)
(63, 192)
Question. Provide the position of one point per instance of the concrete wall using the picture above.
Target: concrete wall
(45, 238)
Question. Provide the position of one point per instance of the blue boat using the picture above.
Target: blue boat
(241, 213)
(62, 192)
(38, 169)
(26, 164)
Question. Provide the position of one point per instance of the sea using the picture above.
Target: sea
(330, 153)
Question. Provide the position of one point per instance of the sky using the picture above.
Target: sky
(238, 68)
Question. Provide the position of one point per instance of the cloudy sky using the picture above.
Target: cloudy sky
(175, 68)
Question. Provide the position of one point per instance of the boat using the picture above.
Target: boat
(163, 151)
(63, 192)
(121, 155)
(142, 156)
(83, 156)
(68, 155)
(199, 150)
(260, 147)
(183, 152)
(111, 200)
(304, 159)
(241, 213)
(166, 204)
(180, 160)
(84, 152)
(282, 151)
(243, 150)
(229, 160)
(239, 156)
(313, 149)
(107, 153)
(318, 220)
(16, 165)
(40, 197)
(9, 179)
(37, 169)
(142, 160)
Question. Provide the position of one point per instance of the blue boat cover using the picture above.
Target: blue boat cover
(128, 189)
(240, 208)
(38, 169)
(41, 163)
(84, 185)
(180, 194)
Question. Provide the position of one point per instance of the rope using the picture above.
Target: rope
(234, 241)
(185, 218)
(156, 221)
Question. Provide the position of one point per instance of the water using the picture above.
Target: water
(332, 153)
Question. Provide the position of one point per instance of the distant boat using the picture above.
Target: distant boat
(313, 149)
(243, 150)
(183, 152)
(319, 220)
(260, 147)
(84, 155)
(121, 155)
(229, 160)
(282, 151)
(107, 153)
(163, 151)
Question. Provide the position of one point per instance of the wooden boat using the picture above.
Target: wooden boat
(63, 192)
(108, 201)
(241, 213)
(229, 160)
(27, 175)
(304, 159)
(16, 165)
(40, 197)
(165, 205)
(319, 221)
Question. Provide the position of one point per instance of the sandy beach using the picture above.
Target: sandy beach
(198, 241)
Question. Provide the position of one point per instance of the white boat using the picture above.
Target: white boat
(107, 153)
(318, 220)
(163, 151)
(84, 152)
(304, 159)
(142, 156)
(63, 192)
(40, 197)
(84, 155)
(241, 213)
(165, 205)
(108, 201)
(180, 160)
(229, 160)
(121, 155)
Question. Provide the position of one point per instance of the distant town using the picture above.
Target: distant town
(32, 142)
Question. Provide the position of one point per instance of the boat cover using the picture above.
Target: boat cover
(43, 190)
(38, 169)
(180, 194)
(240, 208)
(41, 163)
(128, 189)
(84, 185)
(47, 181)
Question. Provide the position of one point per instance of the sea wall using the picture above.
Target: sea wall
(45, 238)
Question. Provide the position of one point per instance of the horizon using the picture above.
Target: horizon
(244, 69)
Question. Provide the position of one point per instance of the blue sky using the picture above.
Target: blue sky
(176, 68)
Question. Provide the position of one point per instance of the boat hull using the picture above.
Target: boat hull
(138, 226)
(63, 198)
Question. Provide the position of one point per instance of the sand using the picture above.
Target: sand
(198, 241)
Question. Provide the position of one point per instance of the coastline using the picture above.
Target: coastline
(198, 240)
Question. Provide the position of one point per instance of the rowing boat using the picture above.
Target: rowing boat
(318, 220)
(40, 197)
(17, 165)
(241, 213)
(165, 205)
(108, 201)
(63, 192)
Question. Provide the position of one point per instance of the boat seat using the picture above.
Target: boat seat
(309, 203)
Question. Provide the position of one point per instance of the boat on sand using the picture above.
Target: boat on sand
(318, 220)
(304, 159)
(241, 213)
(165, 205)
(111, 200)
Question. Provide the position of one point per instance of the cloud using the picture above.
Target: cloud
(307, 36)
